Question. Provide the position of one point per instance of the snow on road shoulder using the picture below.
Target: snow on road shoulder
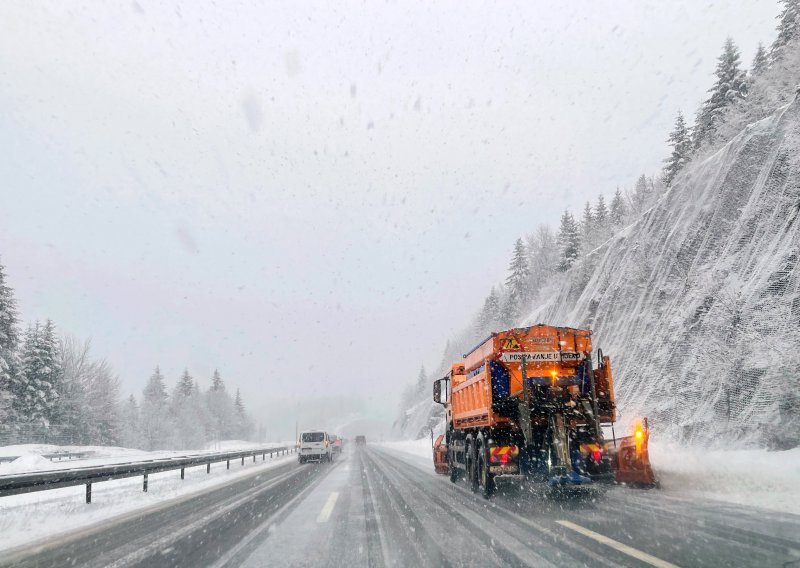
(417, 452)
(753, 478)
(30, 455)
(757, 478)
(30, 517)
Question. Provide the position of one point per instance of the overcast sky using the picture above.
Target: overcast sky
(312, 196)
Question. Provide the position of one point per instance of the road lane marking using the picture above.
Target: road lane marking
(624, 548)
(326, 511)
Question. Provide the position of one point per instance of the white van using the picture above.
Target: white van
(315, 445)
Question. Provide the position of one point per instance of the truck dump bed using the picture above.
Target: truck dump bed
(486, 390)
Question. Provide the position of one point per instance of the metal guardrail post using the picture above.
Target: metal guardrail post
(242, 460)
(144, 485)
(228, 464)
(208, 468)
(182, 470)
(88, 493)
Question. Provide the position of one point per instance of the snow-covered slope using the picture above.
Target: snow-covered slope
(698, 302)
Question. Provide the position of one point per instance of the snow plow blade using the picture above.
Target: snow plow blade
(630, 459)
(440, 456)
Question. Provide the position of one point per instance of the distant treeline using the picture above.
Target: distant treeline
(53, 391)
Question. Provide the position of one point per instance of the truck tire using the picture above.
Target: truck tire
(455, 473)
(472, 464)
(486, 479)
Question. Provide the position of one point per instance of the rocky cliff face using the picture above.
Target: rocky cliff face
(698, 302)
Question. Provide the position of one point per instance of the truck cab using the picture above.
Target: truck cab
(315, 445)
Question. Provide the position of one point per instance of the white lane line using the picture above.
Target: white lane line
(326, 511)
(624, 548)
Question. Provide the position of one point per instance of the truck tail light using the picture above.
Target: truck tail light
(503, 454)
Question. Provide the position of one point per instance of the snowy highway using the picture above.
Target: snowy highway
(379, 507)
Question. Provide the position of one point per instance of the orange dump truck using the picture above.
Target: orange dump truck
(528, 402)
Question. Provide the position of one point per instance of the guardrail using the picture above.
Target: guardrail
(54, 479)
(53, 456)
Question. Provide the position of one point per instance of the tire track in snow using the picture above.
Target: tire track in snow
(548, 547)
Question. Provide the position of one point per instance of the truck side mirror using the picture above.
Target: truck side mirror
(439, 389)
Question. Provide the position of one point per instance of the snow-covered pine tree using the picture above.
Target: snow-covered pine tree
(543, 258)
(641, 195)
(185, 385)
(730, 86)
(189, 424)
(9, 365)
(422, 381)
(217, 384)
(407, 400)
(518, 274)
(155, 412)
(681, 142)
(601, 211)
(569, 241)
(220, 410)
(129, 425)
(619, 210)
(788, 28)
(21, 395)
(489, 316)
(602, 221)
(587, 228)
(760, 61)
(36, 392)
(244, 424)
(51, 373)
(510, 310)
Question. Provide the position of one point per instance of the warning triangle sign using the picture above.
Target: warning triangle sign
(510, 343)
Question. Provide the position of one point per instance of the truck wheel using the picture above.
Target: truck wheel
(472, 465)
(455, 473)
(486, 478)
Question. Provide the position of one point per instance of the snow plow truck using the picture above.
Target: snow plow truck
(529, 403)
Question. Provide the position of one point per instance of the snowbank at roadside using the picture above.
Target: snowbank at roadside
(754, 478)
(418, 448)
(236, 445)
(41, 449)
(33, 516)
(30, 455)
(757, 478)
